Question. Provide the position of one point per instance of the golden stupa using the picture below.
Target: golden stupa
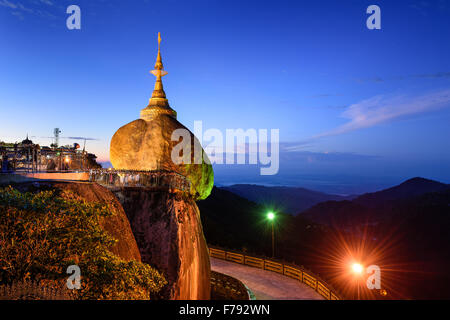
(146, 143)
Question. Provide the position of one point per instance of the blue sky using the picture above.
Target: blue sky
(361, 107)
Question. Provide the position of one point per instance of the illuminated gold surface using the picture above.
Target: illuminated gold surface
(158, 103)
(145, 144)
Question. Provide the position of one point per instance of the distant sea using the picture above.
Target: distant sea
(339, 184)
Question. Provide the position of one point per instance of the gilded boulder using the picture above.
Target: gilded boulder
(148, 145)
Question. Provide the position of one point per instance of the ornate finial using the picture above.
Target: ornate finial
(158, 103)
(159, 69)
(159, 41)
(159, 72)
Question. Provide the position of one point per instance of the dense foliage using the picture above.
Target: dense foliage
(41, 234)
(233, 222)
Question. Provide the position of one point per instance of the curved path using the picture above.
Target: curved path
(266, 285)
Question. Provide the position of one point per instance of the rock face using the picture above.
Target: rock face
(147, 145)
(116, 225)
(169, 234)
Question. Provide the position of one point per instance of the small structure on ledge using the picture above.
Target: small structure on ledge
(28, 157)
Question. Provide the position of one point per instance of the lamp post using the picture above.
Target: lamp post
(67, 161)
(271, 217)
(357, 269)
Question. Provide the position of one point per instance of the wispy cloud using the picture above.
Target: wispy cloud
(7, 4)
(432, 75)
(18, 8)
(336, 107)
(47, 2)
(382, 109)
(70, 138)
(436, 75)
(374, 79)
(296, 157)
(326, 95)
(421, 7)
(15, 6)
(18, 14)
(80, 138)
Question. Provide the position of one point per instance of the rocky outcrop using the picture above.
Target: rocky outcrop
(147, 145)
(169, 234)
(116, 225)
(166, 225)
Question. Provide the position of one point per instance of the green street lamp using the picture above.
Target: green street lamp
(271, 217)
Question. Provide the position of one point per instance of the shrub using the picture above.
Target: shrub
(42, 233)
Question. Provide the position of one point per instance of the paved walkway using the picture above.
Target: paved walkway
(266, 285)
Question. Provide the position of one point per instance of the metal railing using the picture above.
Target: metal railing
(24, 171)
(33, 290)
(286, 269)
(129, 178)
(225, 287)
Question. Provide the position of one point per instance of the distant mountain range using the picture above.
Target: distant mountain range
(410, 188)
(285, 199)
(234, 222)
(372, 207)
(407, 225)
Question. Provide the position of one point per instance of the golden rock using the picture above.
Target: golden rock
(146, 143)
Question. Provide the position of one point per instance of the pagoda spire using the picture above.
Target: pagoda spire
(158, 95)
(158, 103)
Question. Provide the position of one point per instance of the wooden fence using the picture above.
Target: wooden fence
(288, 270)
